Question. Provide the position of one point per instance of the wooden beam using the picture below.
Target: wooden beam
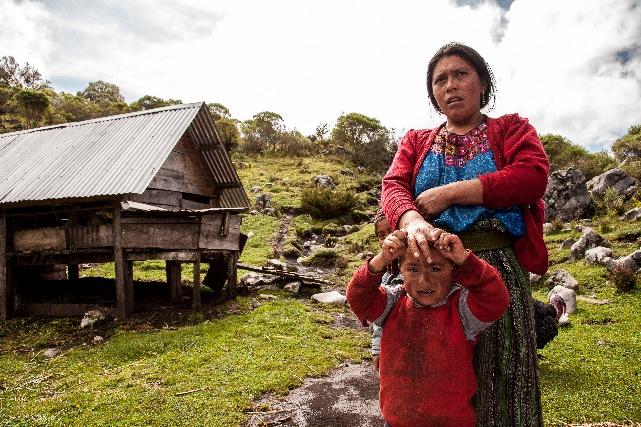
(162, 255)
(4, 282)
(196, 293)
(119, 265)
(232, 289)
(62, 310)
(173, 270)
(129, 286)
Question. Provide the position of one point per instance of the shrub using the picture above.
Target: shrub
(322, 203)
(292, 252)
(623, 278)
(556, 226)
(613, 202)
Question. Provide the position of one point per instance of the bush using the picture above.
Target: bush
(292, 252)
(623, 278)
(612, 202)
(322, 203)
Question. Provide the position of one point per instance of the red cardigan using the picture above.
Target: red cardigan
(520, 179)
(426, 372)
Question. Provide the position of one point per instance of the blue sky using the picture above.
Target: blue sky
(572, 67)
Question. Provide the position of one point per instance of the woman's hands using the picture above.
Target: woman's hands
(432, 202)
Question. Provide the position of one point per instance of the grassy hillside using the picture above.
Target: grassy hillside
(207, 368)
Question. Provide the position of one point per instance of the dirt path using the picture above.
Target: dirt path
(347, 397)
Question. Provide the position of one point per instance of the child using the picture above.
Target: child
(431, 326)
(390, 279)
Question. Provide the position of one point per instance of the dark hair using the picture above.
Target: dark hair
(473, 58)
(378, 216)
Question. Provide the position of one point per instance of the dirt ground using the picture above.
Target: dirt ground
(347, 397)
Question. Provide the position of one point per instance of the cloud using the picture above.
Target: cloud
(571, 67)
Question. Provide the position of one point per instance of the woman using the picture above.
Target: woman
(483, 179)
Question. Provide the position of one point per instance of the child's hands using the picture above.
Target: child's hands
(450, 246)
(393, 247)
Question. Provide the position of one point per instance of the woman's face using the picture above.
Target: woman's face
(457, 89)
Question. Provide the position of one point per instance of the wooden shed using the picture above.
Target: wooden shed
(150, 185)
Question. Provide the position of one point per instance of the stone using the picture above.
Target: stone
(547, 227)
(627, 263)
(257, 279)
(293, 287)
(589, 239)
(632, 215)
(568, 295)
(563, 278)
(50, 353)
(324, 181)
(98, 339)
(566, 197)
(534, 278)
(599, 255)
(360, 169)
(267, 297)
(263, 201)
(333, 297)
(255, 189)
(91, 318)
(622, 183)
(276, 264)
(567, 243)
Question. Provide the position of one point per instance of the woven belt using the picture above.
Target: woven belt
(485, 240)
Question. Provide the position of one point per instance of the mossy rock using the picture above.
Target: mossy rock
(333, 229)
(292, 252)
(326, 257)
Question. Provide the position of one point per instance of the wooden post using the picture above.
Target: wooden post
(119, 265)
(232, 261)
(4, 282)
(196, 294)
(173, 269)
(72, 272)
(129, 286)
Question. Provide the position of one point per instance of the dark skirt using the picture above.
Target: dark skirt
(505, 358)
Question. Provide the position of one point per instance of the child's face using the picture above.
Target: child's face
(427, 284)
(382, 230)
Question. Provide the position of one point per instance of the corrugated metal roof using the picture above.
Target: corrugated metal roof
(108, 156)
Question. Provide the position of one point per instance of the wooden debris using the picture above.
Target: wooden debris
(305, 278)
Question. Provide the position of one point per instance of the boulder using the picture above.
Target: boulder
(293, 287)
(568, 295)
(263, 201)
(632, 215)
(567, 243)
(534, 278)
(599, 255)
(333, 297)
(624, 185)
(324, 181)
(255, 279)
(630, 262)
(589, 239)
(563, 278)
(566, 197)
(50, 353)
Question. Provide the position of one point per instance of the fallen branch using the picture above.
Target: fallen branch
(182, 393)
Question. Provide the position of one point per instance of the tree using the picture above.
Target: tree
(218, 110)
(13, 75)
(627, 149)
(355, 130)
(295, 143)
(72, 108)
(263, 130)
(149, 102)
(228, 131)
(102, 92)
(33, 104)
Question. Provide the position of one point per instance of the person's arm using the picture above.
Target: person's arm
(484, 297)
(432, 202)
(524, 178)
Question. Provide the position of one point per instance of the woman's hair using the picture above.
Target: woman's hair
(470, 56)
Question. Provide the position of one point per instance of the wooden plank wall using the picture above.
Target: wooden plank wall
(4, 283)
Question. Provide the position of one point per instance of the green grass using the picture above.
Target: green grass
(136, 379)
(261, 230)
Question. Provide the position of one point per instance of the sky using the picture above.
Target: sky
(572, 67)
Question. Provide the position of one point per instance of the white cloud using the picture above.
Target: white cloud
(310, 61)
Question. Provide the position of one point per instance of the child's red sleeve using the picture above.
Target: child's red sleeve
(488, 297)
(366, 297)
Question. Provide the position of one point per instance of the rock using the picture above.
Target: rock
(257, 279)
(293, 287)
(91, 317)
(627, 262)
(632, 215)
(255, 304)
(563, 278)
(568, 295)
(267, 296)
(616, 179)
(324, 181)
(276, 264)
(567, 243)
(589, 239)
(98, 339)
(599, 255)
(547, 227)
(255, 189)
(262, 201)
(360, 169)
(50, 353)
(534, 278)
(346, 171)
(332, 297)
(566, 197)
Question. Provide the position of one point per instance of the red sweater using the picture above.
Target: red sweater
(520, 179)
(426, 371)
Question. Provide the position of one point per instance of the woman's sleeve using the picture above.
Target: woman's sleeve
(396, 195)
(524, 178)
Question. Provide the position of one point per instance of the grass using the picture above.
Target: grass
(206, 374)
